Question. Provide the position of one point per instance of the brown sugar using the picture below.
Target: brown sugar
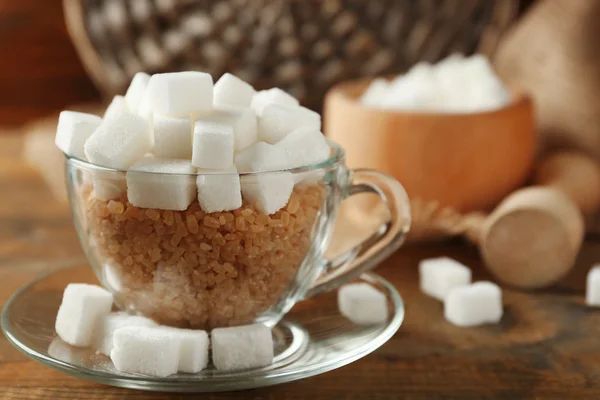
(202, 270)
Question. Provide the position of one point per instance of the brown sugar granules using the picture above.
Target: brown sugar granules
(202, 270)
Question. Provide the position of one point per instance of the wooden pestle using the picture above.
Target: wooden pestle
(531, 240)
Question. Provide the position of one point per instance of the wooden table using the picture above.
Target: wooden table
(547, 345)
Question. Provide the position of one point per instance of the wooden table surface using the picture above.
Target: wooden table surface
(546, 346)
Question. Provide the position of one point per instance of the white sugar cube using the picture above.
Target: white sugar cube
(212, 145)
(242, 347)
(261, 157)
(146, 351)
(592, 292)
(166, 184)
(73, 129)
(268, 191)
(144, 109)
(476, 304)
(108, 185)
(277, 121)
(272, 96)
(376, 91)
(242, 120)
(193, 348)
(120, 142)
(232, 91)
(136, 90)
(179, 94)
(219, 190)
(103, 337)
(173, 137)
(304, 146)
(362, 304)
(82, 308)
(438, 276)
(117, 106)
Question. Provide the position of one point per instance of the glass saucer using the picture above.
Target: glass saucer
(312, 339)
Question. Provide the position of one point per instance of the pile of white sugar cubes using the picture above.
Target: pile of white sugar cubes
(456, 84)
(180, 123)
(138, 345)
(465, 303)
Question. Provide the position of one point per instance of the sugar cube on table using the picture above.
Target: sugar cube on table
(212, 145)
(362, 304)
(73, 129)
(272, 96)
(146, 351)
(438, 276)
(242, 347)
(163, 183)
(242, 120)
(219, 190)
(136, 90)
(277, 121)
(172, 137)
(261, 157)
(231, 90)
(304, 146)
(144, 109)
(82, 308)
(268, 191)
(117, 106)
(475, 304)
(103, 337)
(193, 348)
(179, 94)
(592, 287)
(120, 142)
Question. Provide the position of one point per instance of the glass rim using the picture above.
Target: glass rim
(335, 158)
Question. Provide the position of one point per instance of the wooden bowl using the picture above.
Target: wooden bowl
(466, 161)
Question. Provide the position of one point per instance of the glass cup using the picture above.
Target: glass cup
(203, 270)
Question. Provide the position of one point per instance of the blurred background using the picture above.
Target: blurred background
(56, 54)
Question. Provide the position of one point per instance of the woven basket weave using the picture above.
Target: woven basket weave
(301, 46)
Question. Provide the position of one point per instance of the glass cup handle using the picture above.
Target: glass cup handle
(381, 244)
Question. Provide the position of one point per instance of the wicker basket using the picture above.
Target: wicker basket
(301, 46)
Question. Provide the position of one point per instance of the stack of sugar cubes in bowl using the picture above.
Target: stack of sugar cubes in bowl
(192, 211)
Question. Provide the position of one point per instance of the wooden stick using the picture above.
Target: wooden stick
(532, 238)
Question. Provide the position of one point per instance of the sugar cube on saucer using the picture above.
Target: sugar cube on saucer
(82, 308)
(73, 129)
(147, 351)
(103, 337)
(475, 304)
(242, 347)
(438, 276)
(193, 348)
(362, 304)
